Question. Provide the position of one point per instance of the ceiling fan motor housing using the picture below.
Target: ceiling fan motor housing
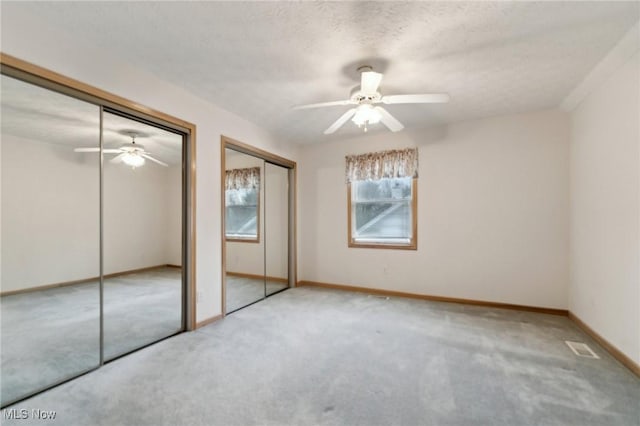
(358, 97)
(132, 147)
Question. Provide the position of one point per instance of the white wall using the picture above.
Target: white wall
(276, 212)
(137, 226)
(30, 39)
(173, 207)
(50, 213)
(492, 213)
(605, 210)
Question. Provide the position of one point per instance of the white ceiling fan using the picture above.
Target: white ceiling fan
(131, 154)
(366, 96)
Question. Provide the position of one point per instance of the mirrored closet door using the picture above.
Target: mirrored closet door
(50, 262)
(93, 240)
(257, 222)
(276, 224)
(142, 234)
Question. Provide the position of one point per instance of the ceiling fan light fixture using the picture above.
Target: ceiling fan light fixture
(131, 154)
(133, 159)
(365, 115)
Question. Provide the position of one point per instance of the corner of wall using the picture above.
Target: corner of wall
(621, 52)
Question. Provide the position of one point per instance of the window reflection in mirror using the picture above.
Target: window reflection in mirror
(244, 219)
(242, 204)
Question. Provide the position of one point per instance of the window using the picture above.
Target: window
(382, 201)
(242, 214)
(242, 204)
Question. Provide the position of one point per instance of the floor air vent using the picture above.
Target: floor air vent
(581, 349)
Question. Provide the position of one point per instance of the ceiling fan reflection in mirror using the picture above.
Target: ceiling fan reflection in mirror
(366, 96)
(131, 154)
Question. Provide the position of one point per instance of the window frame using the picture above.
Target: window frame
(411, 245)
(253, 240)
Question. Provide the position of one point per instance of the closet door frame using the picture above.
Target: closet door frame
(34, 74)
(227, 142)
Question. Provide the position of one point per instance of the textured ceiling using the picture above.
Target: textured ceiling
(34, 113)
(258, 59)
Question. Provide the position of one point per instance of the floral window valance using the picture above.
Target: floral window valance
(384, 164)
(242, 178)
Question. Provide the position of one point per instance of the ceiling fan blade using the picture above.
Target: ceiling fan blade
(324, 104)
(96, 149)
(369, 82)
(118, 158)
(340, 121)
(389, 120)
(427, 98)
(148, 157)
